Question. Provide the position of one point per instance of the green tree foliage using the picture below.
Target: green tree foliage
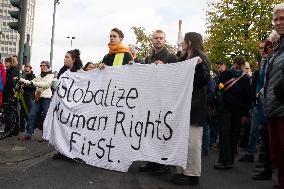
(235, 27)
(143, 43)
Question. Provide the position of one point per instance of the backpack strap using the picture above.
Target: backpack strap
(232, 81)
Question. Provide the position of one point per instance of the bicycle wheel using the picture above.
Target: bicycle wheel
(8, 122)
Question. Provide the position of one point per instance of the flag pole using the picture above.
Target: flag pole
(180, 36)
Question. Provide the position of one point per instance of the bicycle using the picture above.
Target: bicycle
(9, 111)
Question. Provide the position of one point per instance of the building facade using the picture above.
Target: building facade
(9, 39)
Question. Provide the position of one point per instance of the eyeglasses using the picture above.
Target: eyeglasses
(42, 65)
(114, 36)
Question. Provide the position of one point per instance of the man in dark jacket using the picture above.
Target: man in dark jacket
(160, 55)
(273, 96)
(234, 86)
(28, 94)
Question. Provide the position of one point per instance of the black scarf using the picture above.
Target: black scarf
(43, 74)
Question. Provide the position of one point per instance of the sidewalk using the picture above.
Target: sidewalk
(12, 150)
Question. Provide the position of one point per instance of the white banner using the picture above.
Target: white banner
(112, 117)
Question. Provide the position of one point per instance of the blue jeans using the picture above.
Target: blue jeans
(258, 120)
(206, 136)
(38, 107)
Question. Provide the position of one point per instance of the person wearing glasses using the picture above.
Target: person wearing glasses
(118, 55)
(274, 96)
(42, 97)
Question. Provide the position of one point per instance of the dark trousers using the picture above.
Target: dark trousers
(244, 139)
(229, 123)
(214, 130)
(24, 117)
(10, 116)
(266, 150)
(276, 139)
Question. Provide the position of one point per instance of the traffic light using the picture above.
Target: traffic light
(15, 14)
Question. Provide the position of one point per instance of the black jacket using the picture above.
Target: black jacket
(164, 55)
(273, 88)
(62, 70)
(29, 90)
(199, 93)
(238, 97)
(279, 87)
(8, 91)
(254, 81)
(109, 58)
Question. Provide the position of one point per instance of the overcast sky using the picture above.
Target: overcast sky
(90, 22)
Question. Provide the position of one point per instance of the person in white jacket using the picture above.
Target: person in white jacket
(42, 98)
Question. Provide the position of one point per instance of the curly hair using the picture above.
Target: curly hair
(12, 61)
(75, 55)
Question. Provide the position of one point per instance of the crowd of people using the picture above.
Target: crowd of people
(221, 104)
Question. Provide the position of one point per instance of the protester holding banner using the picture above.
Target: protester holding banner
(160, 55)
(118, 55)
(193, 46)
(72, 62)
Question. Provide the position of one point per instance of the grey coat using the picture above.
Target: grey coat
(272, 105)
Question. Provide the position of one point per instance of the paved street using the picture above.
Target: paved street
(41, 171)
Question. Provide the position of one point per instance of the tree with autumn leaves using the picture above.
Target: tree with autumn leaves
(235, 27)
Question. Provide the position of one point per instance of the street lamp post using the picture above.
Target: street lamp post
(56, 2)
(71, 38)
